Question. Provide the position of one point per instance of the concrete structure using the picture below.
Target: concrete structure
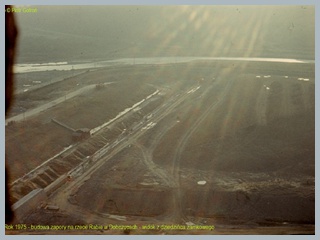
(29, 203)
(56, 184)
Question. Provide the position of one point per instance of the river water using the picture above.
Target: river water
(65, 66)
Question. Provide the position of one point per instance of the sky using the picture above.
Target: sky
(66, 33)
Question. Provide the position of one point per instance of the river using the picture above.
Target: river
(65, 66)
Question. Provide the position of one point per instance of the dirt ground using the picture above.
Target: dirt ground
(237, 151)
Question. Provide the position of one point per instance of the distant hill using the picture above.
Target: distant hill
(81, 33)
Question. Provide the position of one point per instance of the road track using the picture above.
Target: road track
(178, 213)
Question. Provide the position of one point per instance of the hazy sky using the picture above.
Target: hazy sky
(66, 32)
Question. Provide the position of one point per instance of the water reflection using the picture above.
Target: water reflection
(65, 66)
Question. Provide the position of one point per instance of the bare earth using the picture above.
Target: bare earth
(246, 130)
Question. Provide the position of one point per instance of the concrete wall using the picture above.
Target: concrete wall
(56, 184)
(29, 203)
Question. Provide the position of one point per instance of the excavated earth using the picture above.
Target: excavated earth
(231, 145)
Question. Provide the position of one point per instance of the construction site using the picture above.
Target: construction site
(229, 144)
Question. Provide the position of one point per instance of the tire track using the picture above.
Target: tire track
(155, 169)
(148, 158)
(178, 215)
